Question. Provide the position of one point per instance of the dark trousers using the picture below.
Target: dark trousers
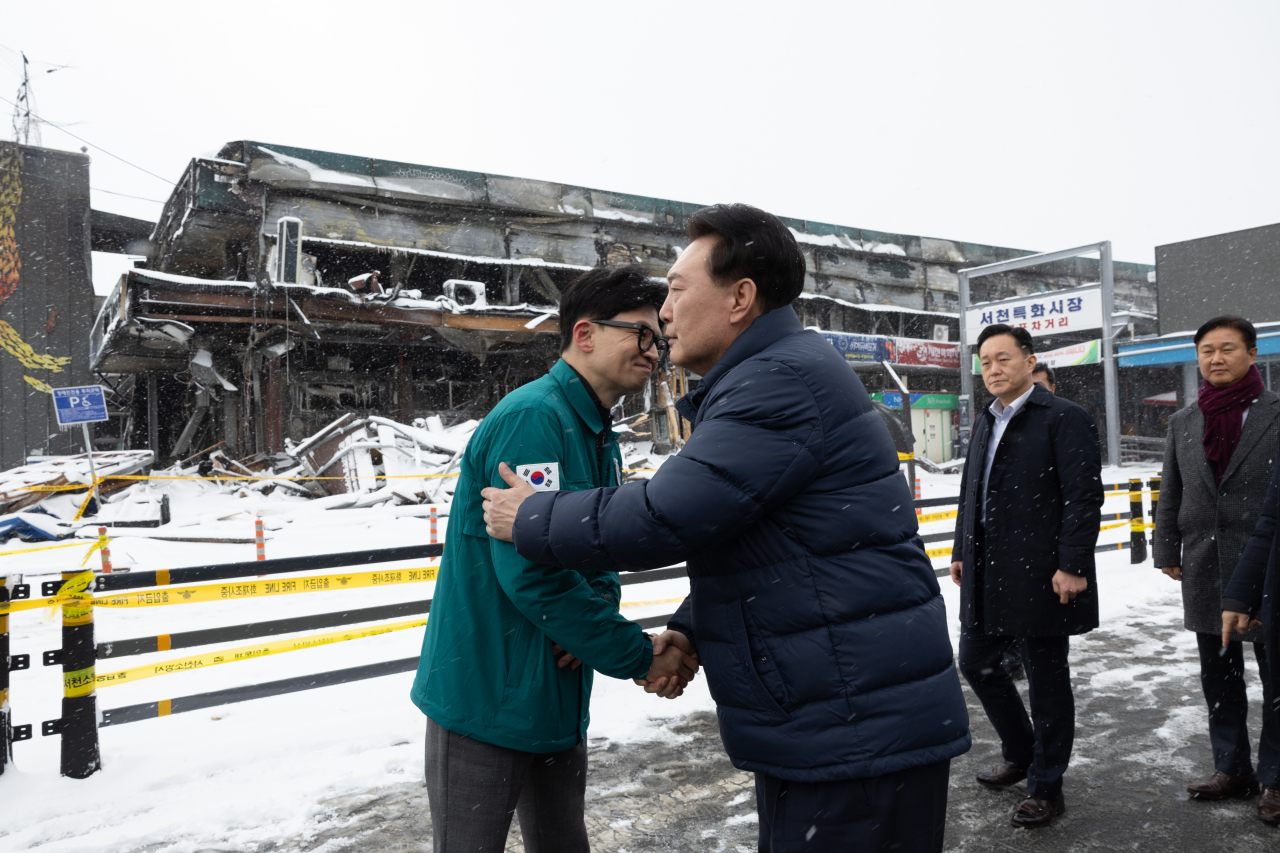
(904, 811)
(474, 787)
(1222, 677)
(1042, 742)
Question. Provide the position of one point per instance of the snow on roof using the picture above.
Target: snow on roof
(843, 241)
(186, 279)
(871, 306)
(478, 259)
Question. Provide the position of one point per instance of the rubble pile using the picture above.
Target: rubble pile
(353, 463)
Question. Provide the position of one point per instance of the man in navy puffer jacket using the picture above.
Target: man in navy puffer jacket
(813, 606)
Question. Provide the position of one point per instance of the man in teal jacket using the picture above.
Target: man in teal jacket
(507, 718)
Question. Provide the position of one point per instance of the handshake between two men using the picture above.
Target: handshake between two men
(675, 664)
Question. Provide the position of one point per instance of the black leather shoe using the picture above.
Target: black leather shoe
(1269, 806)
(1033, 813)
(1002, 775)
(1222, 786)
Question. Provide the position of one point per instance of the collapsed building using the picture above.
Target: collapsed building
(285, 287)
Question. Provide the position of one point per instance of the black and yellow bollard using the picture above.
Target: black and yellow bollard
(79, 724)
(1137, 524)
(5, 733)
(1155, 503)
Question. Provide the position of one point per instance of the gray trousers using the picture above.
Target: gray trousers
(474, 787)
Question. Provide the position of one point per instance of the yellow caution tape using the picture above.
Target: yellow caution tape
(44, 548)
(83, 506)
(906, 457)
(137, 673)
(78, 683)
(197, 594)
(184, 664)
(647, 603)
(139, 477)
(1135, 525)
(101, 543)
(71, 487)
(939, 552)
(71, 591)
(66, 487)
(265, 588)
(936, 516)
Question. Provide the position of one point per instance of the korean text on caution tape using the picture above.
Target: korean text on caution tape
(242, 653)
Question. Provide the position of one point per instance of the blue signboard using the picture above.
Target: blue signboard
(83, 405)
(862, 347)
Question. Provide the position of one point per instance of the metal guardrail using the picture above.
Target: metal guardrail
(80, 720)
(1137, 448)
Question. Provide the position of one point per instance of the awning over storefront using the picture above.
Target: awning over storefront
(1179, 348)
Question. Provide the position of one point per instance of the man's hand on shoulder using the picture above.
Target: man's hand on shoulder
(1067, 586)
(502, 505)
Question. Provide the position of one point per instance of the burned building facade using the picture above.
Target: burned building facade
(284, 287)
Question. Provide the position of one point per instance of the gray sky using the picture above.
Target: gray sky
(1008, 123)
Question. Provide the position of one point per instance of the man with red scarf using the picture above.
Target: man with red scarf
(1218, 462)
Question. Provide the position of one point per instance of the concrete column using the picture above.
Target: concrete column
(1190, 382)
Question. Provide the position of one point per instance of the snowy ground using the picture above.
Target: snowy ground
(280, 771)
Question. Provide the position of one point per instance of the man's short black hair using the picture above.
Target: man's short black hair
(1022, 336)
(1240, 324)
(753, 244)
(1046, 370)
(605, 292)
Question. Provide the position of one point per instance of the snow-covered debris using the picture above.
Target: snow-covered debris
(53, 471)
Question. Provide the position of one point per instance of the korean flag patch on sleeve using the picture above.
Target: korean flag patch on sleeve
(543, 476)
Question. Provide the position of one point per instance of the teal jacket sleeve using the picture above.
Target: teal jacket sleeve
(570, 610)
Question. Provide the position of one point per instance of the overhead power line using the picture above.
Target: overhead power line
(92, 145)
(126, 195)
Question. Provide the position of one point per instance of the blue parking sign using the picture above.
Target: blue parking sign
(83, 405)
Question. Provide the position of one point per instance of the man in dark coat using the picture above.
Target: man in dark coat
(1253, 591)
(1218, 460)
(1030, 502)
(813, 607)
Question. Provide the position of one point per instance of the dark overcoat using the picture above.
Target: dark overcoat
(1254, 586)
(813, 605)
(1202, 527)
(1043, 511)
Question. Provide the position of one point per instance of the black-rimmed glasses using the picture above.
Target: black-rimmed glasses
(647, 337)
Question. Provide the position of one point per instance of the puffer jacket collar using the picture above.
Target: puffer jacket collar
(766, 331)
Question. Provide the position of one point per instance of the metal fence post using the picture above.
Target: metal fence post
(1137, 525)
(79, 723)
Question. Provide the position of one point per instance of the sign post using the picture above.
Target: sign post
(78, 724)
(1088, 307)
(84, 405)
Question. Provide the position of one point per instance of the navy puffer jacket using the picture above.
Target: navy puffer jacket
(813, 606)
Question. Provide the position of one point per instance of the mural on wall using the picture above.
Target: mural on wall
(11, 270)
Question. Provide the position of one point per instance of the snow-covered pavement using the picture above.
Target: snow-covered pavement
(253, 775)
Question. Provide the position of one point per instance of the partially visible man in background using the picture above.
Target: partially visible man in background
(1030, 501)
(1043, 376)
(1218, 460)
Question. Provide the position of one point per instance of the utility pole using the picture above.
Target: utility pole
(25, 128)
